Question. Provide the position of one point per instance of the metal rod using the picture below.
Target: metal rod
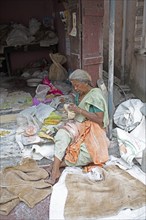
(111, 64)
(123, 41)
(144, 27)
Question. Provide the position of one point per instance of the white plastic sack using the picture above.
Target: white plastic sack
(129, 146)
(128, 114)
(26, 118)
(40, 112)
(43, 111)
(143, 109)
(38, 152)
(46, 151)
(140, 134)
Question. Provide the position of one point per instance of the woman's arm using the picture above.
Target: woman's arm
(96, 117)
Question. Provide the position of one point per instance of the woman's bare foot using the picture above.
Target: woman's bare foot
(54, 177)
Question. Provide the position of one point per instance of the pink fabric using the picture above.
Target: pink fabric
(53, 89)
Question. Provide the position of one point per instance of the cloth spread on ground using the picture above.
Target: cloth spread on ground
(24, 182)
(118, 191)
(95, 140)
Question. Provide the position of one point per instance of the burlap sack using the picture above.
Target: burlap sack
(57, 71)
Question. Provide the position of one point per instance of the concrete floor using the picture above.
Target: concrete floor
(16, 83)
(23, 212)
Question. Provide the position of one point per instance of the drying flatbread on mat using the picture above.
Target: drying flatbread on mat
(24, 182)
(117, 191)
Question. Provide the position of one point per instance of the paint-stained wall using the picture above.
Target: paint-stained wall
(135, 64)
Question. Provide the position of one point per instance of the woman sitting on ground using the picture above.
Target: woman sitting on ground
(82, 141)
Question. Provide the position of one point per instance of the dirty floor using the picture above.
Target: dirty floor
(21, 211)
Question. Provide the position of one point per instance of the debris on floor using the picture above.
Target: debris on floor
(29, 122)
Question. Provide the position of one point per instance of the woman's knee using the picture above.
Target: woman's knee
(62, 141)
(62, 136)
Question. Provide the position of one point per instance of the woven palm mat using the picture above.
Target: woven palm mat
(117, 191)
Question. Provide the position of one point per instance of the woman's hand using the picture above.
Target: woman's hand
(74, 108)
(95, 117)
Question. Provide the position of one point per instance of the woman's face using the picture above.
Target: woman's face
(79, 87)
